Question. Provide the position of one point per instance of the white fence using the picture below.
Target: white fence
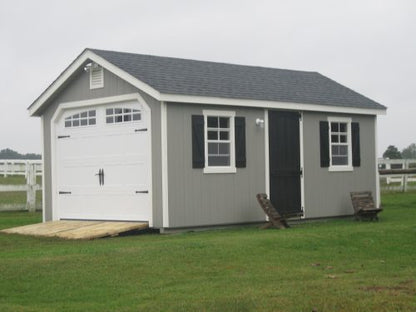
(395, 182)
(30, 169)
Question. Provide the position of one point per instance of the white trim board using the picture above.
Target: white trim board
(42, 123)
(87, 55)
(164, 150)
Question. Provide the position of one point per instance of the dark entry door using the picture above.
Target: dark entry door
(284, 162)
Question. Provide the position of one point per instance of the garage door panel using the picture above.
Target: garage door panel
(123, 155)
(75, 207)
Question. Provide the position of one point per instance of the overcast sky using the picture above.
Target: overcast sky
(368, 46)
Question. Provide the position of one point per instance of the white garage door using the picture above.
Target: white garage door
(103, 163)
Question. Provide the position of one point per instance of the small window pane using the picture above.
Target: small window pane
(343, 150)
(212, 122)
(224, 135)
(84, 114)
(75, 123)
(118, 118)
(127, 110)
(224, 148)
(127, 117)
(110, 119)
(334, 126)
(76, 116)
(342, 127)
(343, 138)
(91, 113)
(67, 124)
(335, 150)
(334, 138)
(92, 121)
(340, 161)
(83, 122)
(212, 148)
(136, 116)
(118, 110)
(224, 122)
(218, 160)
(109, 111)
(212, 135)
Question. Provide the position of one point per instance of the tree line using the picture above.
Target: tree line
(392, 152)
(8, 153)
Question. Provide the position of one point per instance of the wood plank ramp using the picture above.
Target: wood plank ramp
(76, 229)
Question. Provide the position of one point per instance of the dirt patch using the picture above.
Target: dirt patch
(407, 287)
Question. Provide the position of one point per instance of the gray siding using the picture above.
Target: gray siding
(327, 193)
(197, 199)
(77, 89)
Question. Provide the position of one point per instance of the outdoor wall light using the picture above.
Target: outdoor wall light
(88, 67)
(260, 122)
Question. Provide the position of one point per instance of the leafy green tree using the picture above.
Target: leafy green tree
(8, 153)
(392, 152)
(409, 152)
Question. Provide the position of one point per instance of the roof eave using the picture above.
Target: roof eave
(271, 104)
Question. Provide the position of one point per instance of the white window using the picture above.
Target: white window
(87, 118)
(118, 115)
(340, 154)
(219, 141)
(96, 76)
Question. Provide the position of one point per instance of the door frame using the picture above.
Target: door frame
(301, 157)
(62, 107)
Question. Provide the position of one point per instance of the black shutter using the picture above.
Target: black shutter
(198, 150)
(240, 142)
(355, 137)
(324, 143)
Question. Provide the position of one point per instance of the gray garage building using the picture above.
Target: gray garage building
(182, 143)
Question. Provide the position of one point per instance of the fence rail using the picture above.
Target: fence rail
(30, 169)
(19, 166)
(397, 174)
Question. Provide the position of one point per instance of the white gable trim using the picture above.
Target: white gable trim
(89, 55)
(71, 69)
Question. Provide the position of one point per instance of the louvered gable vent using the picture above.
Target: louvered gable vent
(96, 77)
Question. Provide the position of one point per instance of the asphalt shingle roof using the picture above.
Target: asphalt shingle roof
(199, 78)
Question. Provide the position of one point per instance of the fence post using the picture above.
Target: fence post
(31, 187)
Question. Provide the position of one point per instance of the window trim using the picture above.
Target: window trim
(349, 166)
(71, 118)
(220, 169)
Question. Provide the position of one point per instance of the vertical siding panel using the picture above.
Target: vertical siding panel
(327, 193)
(212, 198)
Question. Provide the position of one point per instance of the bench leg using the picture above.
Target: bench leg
(268, 225)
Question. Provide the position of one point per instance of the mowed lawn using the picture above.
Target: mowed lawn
(337, 265)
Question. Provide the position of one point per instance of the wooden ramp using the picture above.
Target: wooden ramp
(74, 229)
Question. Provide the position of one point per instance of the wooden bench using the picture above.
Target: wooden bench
(275, 219)
(364, 206)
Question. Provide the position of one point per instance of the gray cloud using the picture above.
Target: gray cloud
(368, 46)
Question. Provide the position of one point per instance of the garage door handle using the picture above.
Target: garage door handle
(100, 176)
(142, 192)
(140, 130)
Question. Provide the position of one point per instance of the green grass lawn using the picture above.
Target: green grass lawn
(337, 265)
